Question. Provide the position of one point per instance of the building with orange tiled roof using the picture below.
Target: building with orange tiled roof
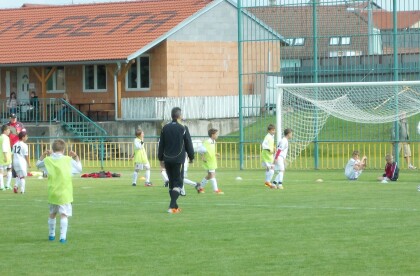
(109, 51)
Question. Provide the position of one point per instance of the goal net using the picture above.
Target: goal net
(306, 107)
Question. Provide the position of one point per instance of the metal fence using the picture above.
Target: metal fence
(333, 155)
(326, 41)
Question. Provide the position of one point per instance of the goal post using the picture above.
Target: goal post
(305, 107)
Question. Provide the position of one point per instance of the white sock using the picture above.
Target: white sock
(1, 181)
(22, 185)
(135, 174)
(64, 222)
(214, 184)
(9, 179)
(164, 175)
(147, 175)
(189, 182)
(269, 175)
(51, 226)
(279, 177)
(17, 182)
(203, 182)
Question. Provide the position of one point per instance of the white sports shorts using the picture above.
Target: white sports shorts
(268, 165)
(280, 166)
(21, 173)
(65, 209)
(140, 166)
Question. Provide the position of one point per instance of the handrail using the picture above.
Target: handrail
(85, 118)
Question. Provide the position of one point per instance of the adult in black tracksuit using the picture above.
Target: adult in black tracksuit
(174, 142)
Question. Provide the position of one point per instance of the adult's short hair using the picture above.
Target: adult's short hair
(176, 113)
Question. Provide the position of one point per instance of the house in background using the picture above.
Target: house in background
(106, 55)
(354, 41)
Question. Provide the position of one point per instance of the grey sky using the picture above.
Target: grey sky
(386, 4)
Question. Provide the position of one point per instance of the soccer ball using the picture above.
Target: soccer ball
(238, 178)
(319, 180)
(418, 128)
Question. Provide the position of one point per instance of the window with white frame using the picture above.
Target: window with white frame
(289, 41)
(299, 41)
(138, 76)
(56, 83)
(94, 78)
(334, 40)
(337, 40)
(345, 40)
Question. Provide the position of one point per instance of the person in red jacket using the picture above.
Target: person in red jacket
(391, 170)
(15, 128)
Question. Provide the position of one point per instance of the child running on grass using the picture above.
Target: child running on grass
(21, 162)
(140, 159)
(209, 155)
(60, 187)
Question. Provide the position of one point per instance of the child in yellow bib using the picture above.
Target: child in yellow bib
(209, 155)
(60, 187)
(5, 155)
(140, 159)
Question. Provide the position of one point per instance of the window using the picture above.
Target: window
(345, 40)
(56, 83)
(300, 41)
(138, 76)
(289, 41)
(334, 41)
(94, 78)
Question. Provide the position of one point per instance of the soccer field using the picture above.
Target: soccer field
(336, 227)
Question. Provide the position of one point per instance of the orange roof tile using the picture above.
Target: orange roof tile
(405, 19)
(88, 32)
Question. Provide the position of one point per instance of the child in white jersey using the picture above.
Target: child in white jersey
(280, 158)
(355, 166)
(20, 162)
(59, 168)
(140, 159)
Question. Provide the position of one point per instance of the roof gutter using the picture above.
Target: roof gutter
(51, 63)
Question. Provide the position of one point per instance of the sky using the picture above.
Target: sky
(386, 4)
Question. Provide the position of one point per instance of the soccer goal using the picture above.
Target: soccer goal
(306, 107)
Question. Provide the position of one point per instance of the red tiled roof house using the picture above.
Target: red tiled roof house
(110, 51)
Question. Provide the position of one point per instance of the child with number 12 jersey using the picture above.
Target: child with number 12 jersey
(20, 162)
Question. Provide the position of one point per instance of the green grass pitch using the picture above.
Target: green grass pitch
(336, 227)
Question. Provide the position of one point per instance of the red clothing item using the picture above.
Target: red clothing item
(15, 129)
(391, 171)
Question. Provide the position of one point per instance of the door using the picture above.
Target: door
(23, 84)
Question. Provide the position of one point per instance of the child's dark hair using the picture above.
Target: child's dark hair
(287, 131)
(212, 131)
(138, 132)
(22, 134)
(4, 127)
(271, 127)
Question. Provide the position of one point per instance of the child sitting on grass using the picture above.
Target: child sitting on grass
(355, 166)
(391, 170)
